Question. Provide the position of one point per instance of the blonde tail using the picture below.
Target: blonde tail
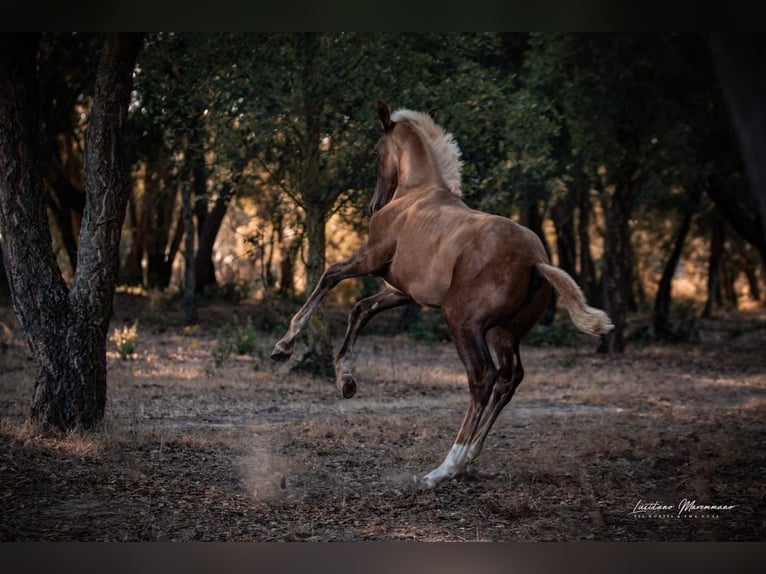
(587, 319)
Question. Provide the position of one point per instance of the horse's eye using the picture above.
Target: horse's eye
(375, 152)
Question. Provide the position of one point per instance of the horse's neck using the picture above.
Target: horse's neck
(419, 170)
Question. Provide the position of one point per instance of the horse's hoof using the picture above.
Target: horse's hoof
(347, 386)
(279, 354)
(423, 485)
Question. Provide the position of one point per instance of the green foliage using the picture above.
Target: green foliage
(430, 327)
(241, 339)
(125, 338)
(562, 333)
(289, 120)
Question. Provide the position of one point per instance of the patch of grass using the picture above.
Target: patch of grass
(559, 334)
(241, 339)
(567, 361)
(125, 339)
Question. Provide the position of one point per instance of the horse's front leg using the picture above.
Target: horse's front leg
(355, 266)
(360, 315)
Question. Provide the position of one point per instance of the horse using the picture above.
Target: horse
(490, 276)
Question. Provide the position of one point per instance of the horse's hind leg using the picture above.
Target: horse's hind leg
(510, 375)
(360, 315)
(474, 352)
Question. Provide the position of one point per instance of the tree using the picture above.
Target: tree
(66, 328)
(642, 118)
(313, 142)
(740, 61)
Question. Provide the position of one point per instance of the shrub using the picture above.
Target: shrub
(430, 327)
(241, 339)
(125, 339)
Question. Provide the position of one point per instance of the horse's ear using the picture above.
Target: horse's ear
(432, 112)
(384, 115)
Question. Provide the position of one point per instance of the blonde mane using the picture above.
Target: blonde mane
(443, 145)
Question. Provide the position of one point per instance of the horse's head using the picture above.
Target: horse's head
(387, 158)
(412, 151)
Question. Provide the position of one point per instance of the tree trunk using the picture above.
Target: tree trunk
(532, 218)
(717, 238)
(189, 290)
(66, 329)
(193, 187)
(740, 60)
(211, 224)
(728, 291)
(317, 203)
(749, 269)
(289, 249)
(67, 198)
(616, 276)
(562, 213)
(131, 272)
(319, 357)
(661, 318)
(587, 267)
(158, 215)
(748, 225)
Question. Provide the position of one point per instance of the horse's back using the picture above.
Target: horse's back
(442, 246)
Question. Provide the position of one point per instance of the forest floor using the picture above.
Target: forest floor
(592, 447)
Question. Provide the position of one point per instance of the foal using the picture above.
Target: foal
(490, 276)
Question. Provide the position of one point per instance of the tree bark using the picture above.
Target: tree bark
(616, 276)
(661, 318)
(749, 269)
(562, 213)
(210, 225)
(319, 357)
(158, 215)
(317, 203)
(717, 237)
(65, 329)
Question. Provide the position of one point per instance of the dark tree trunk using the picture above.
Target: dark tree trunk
(66, 329)
(158, 214)
(717, 238)
(67, 198)
(131, 271)
(189, 289)
(587, 267)
(211, 224)
(317, 203)
(532, 218)
(562, 213)
(287, 265)
(319, 357)
(193, 188)
(749, 269)
(740, 60)
(728, 277)
(661, 318)
(616, 276)
(748, 225)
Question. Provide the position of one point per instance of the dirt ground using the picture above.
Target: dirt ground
(661, 443)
